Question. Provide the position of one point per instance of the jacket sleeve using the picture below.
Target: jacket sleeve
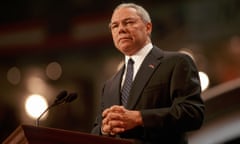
(186, 111)
(97, 123)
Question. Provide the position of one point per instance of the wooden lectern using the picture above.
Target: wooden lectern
(26, 134)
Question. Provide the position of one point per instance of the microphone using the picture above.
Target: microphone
(71, 97)
(61, 98)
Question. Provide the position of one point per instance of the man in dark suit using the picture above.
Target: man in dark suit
(164, 100)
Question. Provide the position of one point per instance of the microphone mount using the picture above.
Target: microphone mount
(61, 98)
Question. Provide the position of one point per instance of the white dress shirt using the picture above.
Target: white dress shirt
(138, 59)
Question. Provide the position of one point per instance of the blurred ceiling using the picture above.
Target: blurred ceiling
(204, 17)
(49, 25)
(42, 27)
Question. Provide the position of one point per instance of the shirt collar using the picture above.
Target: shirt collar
(140, 54)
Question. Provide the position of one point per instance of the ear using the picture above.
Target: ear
(149, 28)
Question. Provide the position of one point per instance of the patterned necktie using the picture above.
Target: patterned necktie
(127, 83)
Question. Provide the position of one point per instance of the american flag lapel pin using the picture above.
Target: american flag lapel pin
(151, 66)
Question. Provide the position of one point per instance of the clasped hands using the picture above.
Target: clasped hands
(118, 119)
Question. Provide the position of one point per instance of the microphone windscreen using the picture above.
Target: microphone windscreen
(71, 97)
(60, 96)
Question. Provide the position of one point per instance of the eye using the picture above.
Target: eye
(129, 21)
(113, 26)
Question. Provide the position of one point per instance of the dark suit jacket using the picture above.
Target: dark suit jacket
(167, 91)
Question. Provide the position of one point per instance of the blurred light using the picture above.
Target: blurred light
(36, 84)
(204, 80)
(54, 70)
(14, 75)
(35, 105)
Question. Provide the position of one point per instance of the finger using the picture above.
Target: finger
(116, 124)
(105, 112)
(117, 108)
(106, 128)
(104, 121)
(112, 133)
(114, 116)
(117, 130)
(111, 109)
(116, 127)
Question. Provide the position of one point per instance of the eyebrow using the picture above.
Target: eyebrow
(125, 19)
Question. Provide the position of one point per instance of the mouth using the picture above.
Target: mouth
(124, 39)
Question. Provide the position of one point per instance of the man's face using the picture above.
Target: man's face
(130, 33)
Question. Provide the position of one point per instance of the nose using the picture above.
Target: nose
(121, 28)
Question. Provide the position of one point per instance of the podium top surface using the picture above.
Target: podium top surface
(26, 134)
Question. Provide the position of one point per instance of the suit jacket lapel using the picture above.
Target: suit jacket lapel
(150, 63)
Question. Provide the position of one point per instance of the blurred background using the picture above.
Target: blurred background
(47, 46)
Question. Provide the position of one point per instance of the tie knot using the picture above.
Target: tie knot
(130, 61)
